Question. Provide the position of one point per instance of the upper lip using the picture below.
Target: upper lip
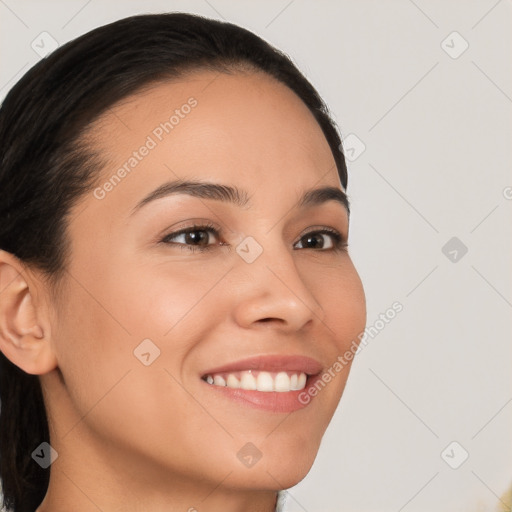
(271, 363)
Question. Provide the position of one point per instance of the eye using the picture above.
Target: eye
(194, 238)
(324, 239)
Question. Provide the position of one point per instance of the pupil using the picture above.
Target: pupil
(194, 238)
(315, 238)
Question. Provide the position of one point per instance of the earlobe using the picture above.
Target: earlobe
(22, 339)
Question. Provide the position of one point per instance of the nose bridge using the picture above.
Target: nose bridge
(273, 287)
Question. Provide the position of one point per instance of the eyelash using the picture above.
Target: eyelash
(339, 243)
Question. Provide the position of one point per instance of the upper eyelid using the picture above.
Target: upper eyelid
(182, 231)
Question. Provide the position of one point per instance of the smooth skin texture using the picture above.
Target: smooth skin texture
(132, 437)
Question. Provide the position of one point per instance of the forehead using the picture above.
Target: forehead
(243, 128)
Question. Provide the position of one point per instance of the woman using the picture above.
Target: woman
(176, 289)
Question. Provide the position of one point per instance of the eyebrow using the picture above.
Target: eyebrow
(236, 196)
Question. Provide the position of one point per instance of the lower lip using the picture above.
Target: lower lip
(274, 401)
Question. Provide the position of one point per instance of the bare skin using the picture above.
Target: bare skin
(133, 437)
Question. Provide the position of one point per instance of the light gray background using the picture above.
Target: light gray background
(436, 165)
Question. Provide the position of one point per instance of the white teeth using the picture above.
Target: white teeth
(282, 382)
(247, 381)
(259, 380)
(218, 380)
(232, 382)
(265, 382)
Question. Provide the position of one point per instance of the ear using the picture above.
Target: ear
(24, 333)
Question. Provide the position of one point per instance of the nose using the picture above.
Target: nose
(271, 291)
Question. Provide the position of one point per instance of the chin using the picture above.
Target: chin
(292, 472)
(276, 471)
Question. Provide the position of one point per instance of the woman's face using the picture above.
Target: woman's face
(147, 314)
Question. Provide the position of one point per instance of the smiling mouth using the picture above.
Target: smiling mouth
(254, 380)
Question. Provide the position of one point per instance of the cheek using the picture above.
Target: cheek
(340, 292)
(92, 344)
(351, 308)
(112, 393)
(161, 299)
(106, 318)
